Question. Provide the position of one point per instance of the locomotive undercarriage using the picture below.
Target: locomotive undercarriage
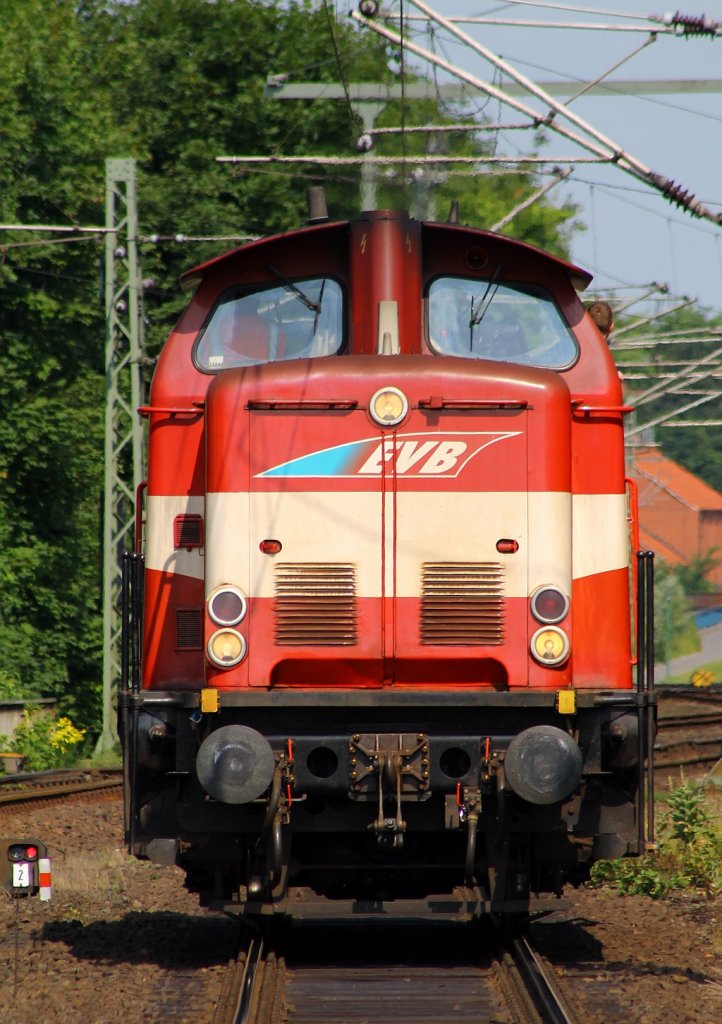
(411, 797)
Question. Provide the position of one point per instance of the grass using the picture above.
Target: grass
(91, 872)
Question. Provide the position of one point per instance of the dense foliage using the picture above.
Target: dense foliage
(45, 742)
(172, 84)
(689, 853)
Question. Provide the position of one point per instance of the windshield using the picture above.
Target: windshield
(290, 320)
(515, 323)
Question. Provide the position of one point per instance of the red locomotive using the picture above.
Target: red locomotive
(386, 585)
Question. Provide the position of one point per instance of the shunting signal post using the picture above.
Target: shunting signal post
(25, 868)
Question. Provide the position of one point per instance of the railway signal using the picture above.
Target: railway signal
(25, 868)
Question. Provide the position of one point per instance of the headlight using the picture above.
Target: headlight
(388, 406)
(549, 604)
(550, 646)
(227, 606)
(226, 648)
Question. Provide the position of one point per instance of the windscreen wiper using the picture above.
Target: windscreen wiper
(478, 313)
(318, 306)
(315, 307)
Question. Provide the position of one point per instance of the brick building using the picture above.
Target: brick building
(680, 515)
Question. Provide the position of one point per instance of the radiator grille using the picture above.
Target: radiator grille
(316, 604)
(462, 603)
(188, 531)
(189, 629)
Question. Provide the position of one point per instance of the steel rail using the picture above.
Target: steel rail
(254, 958)
(680, 721)
(539, 982)
(47, 791)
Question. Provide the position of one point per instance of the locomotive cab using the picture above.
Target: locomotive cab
(386, 505)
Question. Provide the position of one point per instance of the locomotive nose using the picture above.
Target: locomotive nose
(235, 764)
(543, 764)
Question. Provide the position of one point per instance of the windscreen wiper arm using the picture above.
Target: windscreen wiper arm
(315, 307)
(478, 315)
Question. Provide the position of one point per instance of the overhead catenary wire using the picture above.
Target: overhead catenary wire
(5, 246)
(585, 88)
(654, 288)
(562, 175)
(454, 127)
(634, 431)
(180, 238)
(337, 56)
(56, 228)
(655, 316)
(647, 343)
(685, 376)
(632, 88)
(576, 9)
(530, 23)
(596, 142)
(382, 161)
(612, 192)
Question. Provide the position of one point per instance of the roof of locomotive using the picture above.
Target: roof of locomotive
(580, 278)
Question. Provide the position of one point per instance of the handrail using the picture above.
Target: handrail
(197, 409)
(142, 486)
(301, 403)
(624, 410)
(436, 402)
(633, 524)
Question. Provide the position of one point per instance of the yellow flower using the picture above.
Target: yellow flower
(64, 734)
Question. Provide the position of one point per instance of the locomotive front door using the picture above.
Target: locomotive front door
(457, 518)
(319, 586)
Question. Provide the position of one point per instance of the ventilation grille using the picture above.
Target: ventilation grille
(316, 604)
(189, 629)
(188, 531)
(462, 603)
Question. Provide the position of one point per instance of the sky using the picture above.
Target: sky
(634, 236)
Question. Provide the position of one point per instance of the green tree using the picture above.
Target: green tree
(675, 630)
(54, 134)
(695, 576)
(172, 84)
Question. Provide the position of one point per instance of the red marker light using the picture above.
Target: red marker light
(549, 604)
(506, 546)
(270, 547)
(22, 852)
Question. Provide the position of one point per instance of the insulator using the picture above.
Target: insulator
(695, 26)
(676, 193)
(679, 195)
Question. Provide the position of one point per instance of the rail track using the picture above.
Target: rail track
(374, 972)
(689, 727)
(30, 787)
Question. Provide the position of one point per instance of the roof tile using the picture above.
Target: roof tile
(652, 465)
